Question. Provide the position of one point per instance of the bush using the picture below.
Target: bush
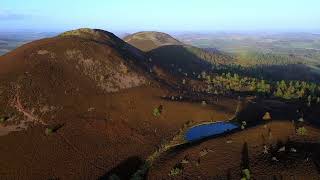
(302, 131)
(176, 170)
(246, 174)
(157, 111)
(266, 116)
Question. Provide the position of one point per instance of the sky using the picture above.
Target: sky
(161, 15)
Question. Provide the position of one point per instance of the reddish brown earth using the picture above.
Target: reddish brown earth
(98, 89)
(90, 144)
(100, 93)
(223, 159)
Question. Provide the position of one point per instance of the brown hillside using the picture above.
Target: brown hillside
(86, 105)
(97, 56)
(51, 73)
(94, 88)
(175, 57)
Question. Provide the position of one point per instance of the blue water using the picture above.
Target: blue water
(206, 130)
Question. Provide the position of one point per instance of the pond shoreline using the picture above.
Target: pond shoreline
(199, 132)
(177, 142)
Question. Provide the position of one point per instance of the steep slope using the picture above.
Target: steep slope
(62, 96)
(49, 74)
(174, 56)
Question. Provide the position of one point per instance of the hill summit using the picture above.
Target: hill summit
(93, 34)
(174, 56)
(149, 40)
(63, 69)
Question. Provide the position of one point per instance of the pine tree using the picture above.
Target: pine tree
(279, 93)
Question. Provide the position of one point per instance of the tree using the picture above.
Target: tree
(282, 85)
(278, 93)
(266, 116)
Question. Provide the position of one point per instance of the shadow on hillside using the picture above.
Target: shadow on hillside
(252, 113)
(286, 72)
(178, 59)
(255, 110)
(125, 169)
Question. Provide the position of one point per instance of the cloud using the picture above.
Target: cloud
(8, 15)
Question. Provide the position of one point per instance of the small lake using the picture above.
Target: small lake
(207, 130)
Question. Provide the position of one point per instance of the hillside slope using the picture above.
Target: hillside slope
(174, 56)
(55, 72)
(79, 106)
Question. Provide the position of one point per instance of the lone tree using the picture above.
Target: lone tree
(266, 116)
(157, 111)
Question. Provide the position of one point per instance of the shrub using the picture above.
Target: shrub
(176, 170)
(246, 174)
(266, 116)
(157, 111)
(302, 131)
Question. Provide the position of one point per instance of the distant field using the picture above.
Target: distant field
(12, 40)
(261, 48)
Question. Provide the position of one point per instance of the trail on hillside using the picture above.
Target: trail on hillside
(16, 103)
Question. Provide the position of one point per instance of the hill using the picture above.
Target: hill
(149, 40)
(57, 71)
(79, 105)
(176, 57)
(87, 105)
